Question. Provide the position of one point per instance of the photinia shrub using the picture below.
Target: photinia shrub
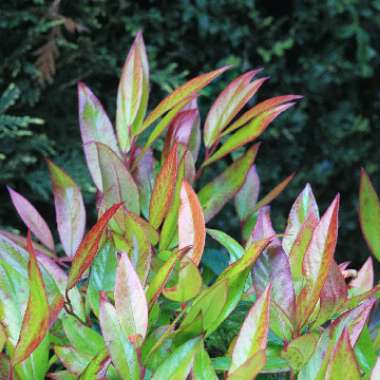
(132, 299)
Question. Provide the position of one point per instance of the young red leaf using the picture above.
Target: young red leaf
(317, 260)
(259, 108)
(130, 301)
(163, 189)
(189, 88)
(246, 197)
(191, 224)
(365, 278)
(89, 247)
(35, 323)
(253, 334)
(342, 363)
(274, 193)
(95, 126)
(304, 205)
(228, 104)
(69, 209)
(217, 193)
(132, 96)
(117, 183)
(263, 228)
(32, 219)
(248, 133)
(369, 214)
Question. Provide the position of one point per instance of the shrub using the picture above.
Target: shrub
(136, 297)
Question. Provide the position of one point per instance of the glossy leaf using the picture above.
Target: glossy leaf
(69, 209)
(95, 126)
(191, 224)
(246, 198)
(228, 104)
(117, 183)
(250, 368)
(342, 363)
(202, 368)
(95, 366)
(178, 365)
(130, 301)
(259, 108)
(163, 189)
(132, 96)
(304, 206)
(35, 323)
(365, 278)
(218, 192)
(189, 88)
(248, 133)
(369, 214)
(253, 334)
(89, 247)
(32, 219)
(317, 260)
(123, 354)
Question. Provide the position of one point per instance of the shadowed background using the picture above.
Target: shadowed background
(327, 51)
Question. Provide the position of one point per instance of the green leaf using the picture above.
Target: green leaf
(35, 322)
(248, 133)
(228, 104)
(342, 363)
(188, 89)
(117, 183)
(130, 301)
(235, 250)
(178, 365)
(203, 368)
(188, 285)
(369, 214)
(217, 193)
(69, 209)
(253, 334)
(89, 247)
(250, 368)
(95, 127)
(132, 96)
(95, 366)
(123, 354)
(163, 189)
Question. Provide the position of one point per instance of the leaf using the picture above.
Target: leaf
(178, 365)
(73, 361)
(95, 126)
(123, 354)
(69, 209)
(248, 133)
(32, 219)
(159, 281)
(218, 192)
(250, 368)
(317, 260)
(253, 334)
(96, 365)
(188, 285)
(132, 96)
(235, 250)
(130, 301)
(203, 368)
(259, 108)
(191, 224)
(342, 363)
(228, 104)
(35, 322)
(89, 247)
(365, 278)
(304, 206)
(247, 196)
(369, 214)
(163, 190)
(117, 183)
(376, 370)
(188, 89)
(274, 193)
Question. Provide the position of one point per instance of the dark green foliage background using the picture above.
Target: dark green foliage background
(326, 50)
